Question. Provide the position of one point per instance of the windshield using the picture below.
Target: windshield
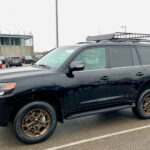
(2, 57)
(28, 57)
(56, 57)
(15, 57)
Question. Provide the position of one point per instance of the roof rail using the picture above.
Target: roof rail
(85, 42)
(121, 37)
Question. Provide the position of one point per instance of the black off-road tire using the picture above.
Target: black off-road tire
(18, 120)
(138, 110)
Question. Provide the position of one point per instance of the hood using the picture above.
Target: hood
(23, 72)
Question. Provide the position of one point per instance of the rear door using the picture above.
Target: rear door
(126, 71)
(144, 52)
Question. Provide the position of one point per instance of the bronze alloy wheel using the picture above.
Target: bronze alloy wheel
(146, 104)
(36, 123)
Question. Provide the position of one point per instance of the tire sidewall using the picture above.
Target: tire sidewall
(17, 124)
(141, 112)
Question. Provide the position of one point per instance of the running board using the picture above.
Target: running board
(93, 112)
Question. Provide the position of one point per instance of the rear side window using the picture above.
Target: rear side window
(144, 52)
(120, 56)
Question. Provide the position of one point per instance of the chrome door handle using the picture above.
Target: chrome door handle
(105, 78)
(139, 74)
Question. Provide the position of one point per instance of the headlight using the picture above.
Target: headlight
(6, 88)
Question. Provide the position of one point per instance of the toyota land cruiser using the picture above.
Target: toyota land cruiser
(109, 72)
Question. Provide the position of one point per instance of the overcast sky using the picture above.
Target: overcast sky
(77, 19)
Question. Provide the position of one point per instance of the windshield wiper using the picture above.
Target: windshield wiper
(42, 65)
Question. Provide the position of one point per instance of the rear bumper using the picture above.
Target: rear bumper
(15, 64)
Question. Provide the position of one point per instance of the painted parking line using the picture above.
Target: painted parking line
(98, 138)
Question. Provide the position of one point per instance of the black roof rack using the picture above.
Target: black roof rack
(121, 37)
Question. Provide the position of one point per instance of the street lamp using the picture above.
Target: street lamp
(125, 28)
(57, 34)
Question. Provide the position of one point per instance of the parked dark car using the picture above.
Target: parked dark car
(112, 73)
(36, 58)
(13, 61)
(3, 59)
(27, 59)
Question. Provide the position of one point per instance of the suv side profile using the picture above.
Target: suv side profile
(73, 81)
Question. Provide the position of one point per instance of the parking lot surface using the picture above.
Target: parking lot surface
(119, 130)
(90, 127)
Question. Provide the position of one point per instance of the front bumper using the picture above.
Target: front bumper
(5, 110)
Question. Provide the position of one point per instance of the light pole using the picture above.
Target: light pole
(57, 34)
(125, 28)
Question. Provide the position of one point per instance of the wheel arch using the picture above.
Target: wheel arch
(145, 86)
(46, 96)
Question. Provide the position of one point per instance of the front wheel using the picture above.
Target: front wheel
(142, 109)
(35, 122)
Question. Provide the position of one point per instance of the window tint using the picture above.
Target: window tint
(94, 58)
(135, 57)
(120, 56)
(145, 54)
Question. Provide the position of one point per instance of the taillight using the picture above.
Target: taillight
(10, 59)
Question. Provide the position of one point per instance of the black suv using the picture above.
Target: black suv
(107, 73)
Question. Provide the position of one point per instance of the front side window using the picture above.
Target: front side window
(145, 54)
(94, 58)
(57, 57)
(120, 56)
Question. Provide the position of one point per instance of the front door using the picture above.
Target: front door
(90, 87)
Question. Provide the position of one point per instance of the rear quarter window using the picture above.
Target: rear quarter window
(144, 52)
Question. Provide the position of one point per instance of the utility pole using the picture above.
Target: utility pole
(125, 28)
(57, 34)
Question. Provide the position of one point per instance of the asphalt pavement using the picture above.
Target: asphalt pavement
(119, 131)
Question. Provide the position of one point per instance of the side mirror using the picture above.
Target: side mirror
(76, 66)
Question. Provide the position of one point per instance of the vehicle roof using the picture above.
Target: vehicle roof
(113, 43)
(93, 44)
(14, 57)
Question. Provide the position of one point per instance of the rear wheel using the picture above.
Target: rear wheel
(142, 109)
(35, 122)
